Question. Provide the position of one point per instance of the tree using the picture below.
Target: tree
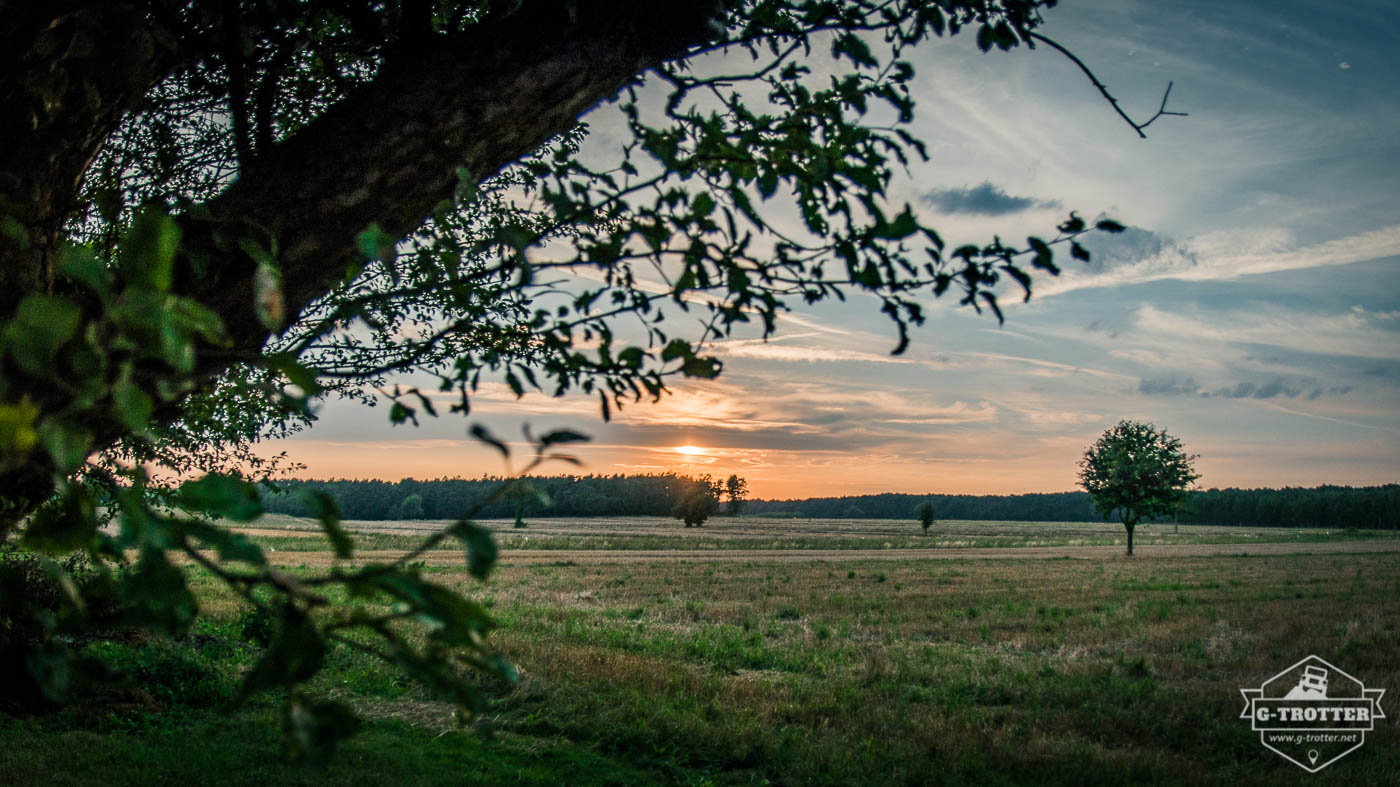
(736, 492)
(212, 214)
(411, 507)
(924, 513)
(1138, 472)
(698, 502)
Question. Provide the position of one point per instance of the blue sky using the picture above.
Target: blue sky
(1252, 308)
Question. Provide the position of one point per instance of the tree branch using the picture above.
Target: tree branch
(389, 153)
(1103, 89)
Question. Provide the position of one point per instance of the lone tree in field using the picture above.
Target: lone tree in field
(1136, 471)
(924, 512)
(213, 214)
(698, 502)
(736, 493)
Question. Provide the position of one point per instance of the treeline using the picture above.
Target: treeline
(657, 495)
(1324, 506)
(450, 498)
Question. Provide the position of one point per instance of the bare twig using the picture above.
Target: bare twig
(1103, 89)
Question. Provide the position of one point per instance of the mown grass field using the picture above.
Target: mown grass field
(647, 533)
(1103, 671)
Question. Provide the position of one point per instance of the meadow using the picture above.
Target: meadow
(1103, 670)
(746, 533)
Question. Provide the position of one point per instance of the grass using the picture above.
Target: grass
(1104, 671)
(655, 533)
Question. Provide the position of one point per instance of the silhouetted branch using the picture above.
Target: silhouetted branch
(1103, 89)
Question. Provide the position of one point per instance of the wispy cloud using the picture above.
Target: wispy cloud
(1206, 260)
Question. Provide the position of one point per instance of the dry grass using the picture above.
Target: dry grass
(917, 672)
(759, 533)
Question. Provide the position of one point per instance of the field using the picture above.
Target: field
(763, 533)
(851, 659)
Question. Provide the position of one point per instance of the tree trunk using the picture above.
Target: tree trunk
(1130, 536)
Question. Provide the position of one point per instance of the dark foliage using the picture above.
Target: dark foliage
(656, 495)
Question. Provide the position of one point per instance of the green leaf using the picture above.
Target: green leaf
(1044, 256)
(44, 322)
(65, 524)
(228, 545)
(324, 508)
(986, 38)
(767, 183)
(855, 48)
(314, 727)
(480, 546)
(148, 250)
(132, 406)
(1077, 251)
(481, 433)
(1109, 225)
(79, 264)
(676, 348)
(197, 319)
(630, 357)
(376, 244)
(109, 204)
(559, 436)
(156, 594)
(703, 368)
(68, 445)
(222, 495)
(17, 434)
(296, 653)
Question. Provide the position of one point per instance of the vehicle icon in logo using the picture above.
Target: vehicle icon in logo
(1312, 714)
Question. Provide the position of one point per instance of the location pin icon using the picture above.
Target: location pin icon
(1312, 756)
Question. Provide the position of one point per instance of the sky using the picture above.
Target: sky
(1251, 308)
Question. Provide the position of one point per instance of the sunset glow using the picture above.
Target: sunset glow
(1250, 307)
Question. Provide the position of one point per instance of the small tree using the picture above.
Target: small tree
(698, 502)
(736, 490)
(1138, 471)
(411, 507)
(925, 514)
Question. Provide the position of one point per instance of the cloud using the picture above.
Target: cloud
(983, 200)
(1269, 390)
(1168, 387)
(1275, 388)
(1139, 256)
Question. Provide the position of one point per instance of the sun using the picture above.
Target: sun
(690, 450)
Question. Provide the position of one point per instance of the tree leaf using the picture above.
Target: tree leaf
(480, 546)
(560, 436)
(481, 433)
(327, 512)
(222, 495)
(148, 250)
(313, 728)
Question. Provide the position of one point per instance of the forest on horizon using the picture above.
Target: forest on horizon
(1372, 507)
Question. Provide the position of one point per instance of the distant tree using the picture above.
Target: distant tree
(925, 514)
(736, 491)
(411, 507)
(698, 502)
(1137, 471)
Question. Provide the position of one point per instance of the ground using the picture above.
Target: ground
(1025, 653)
